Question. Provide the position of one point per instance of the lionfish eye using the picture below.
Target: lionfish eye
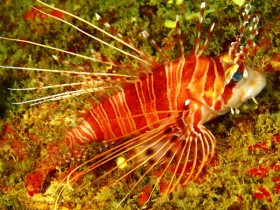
(237, 76)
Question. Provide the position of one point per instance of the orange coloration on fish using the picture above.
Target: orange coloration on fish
(157, 116)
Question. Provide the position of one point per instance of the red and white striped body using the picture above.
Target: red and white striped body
(143, 105)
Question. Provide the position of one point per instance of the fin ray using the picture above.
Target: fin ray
(184, 151)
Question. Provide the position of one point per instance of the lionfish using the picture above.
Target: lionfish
(156, 118)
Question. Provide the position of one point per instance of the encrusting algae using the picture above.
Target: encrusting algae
(245, 170)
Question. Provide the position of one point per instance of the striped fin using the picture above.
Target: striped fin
(126, 41)
(93, 37)
(147, 36)
(240, 48)
(84, 83)
(197, 49)
(181, 148)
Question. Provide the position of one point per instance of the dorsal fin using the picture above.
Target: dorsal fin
(197, 48)
(240, 49)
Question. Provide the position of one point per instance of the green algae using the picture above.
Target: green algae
(227, 186)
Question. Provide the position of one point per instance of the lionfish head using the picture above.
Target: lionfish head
(241, 82)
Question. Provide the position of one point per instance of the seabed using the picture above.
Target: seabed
(245, 172)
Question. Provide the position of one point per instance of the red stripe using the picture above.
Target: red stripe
(227, 92)
(113, 123)
(95, 126)
(209, 83)
(160, 90)
(133, 103)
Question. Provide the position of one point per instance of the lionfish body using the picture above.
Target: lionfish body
(158, 117)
